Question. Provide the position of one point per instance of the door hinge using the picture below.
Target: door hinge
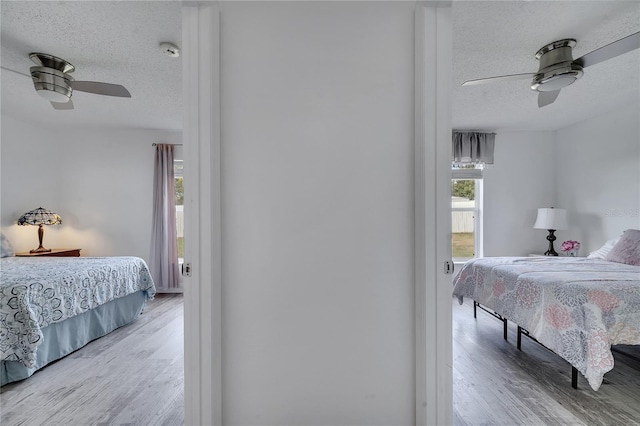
(448, 267)
(186, 269)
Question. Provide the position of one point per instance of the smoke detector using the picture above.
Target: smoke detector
(170, 49)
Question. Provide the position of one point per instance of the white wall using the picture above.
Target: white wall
(598, 166)
(522, 179)
(591, 168)
(98, 180)
(317, 196)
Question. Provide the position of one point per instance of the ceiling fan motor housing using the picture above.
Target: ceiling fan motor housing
(50, 78)
(557, 68)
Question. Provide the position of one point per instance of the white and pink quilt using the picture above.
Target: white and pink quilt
(576, 307)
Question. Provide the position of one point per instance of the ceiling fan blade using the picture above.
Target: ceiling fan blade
(15, 72)
(611, 50)
(547, 98)
(101, 88)
(62, 105)
(498, 78)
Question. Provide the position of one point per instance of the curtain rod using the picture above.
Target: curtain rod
(154, 144)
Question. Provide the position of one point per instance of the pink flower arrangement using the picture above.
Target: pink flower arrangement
(570, 245)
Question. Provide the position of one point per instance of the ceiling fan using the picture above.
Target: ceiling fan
(52, 81)
(558, 69)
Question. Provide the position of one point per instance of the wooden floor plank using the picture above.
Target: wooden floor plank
(134, 376)
(496, 384)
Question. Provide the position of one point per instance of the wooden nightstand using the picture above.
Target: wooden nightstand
(562, 256)
(53, 253)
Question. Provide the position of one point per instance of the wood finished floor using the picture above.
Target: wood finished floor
(132, 376)
(496, 384)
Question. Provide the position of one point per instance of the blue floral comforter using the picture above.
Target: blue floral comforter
(36, 292)
(576, 307)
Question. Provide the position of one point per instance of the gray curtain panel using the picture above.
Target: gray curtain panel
(164, 245)
(473, 147)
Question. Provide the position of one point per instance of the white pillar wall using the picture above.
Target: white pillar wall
(316, 182)
(317, 213)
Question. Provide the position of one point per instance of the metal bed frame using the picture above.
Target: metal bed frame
(521, 331)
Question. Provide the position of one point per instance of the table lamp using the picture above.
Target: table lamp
(40, 217)
(552, 220)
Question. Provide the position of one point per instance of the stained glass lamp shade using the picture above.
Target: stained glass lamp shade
(40, 217)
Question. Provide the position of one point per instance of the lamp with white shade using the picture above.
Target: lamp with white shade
(551, 219)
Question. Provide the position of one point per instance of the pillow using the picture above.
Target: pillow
(627, 250)
(6, 250)
(603, 251)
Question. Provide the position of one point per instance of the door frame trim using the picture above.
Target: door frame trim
(203, 231)
(432, 221)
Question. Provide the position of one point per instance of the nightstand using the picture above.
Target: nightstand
(553, 257)
(53, 253)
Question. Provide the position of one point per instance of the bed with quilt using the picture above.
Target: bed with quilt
(52, 306)
(577, 307)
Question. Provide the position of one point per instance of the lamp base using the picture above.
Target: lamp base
(551, 238)
(40, 250)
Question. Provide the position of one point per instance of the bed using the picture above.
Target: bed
(52, 306)
(576, 307)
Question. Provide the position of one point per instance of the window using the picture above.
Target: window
(466, 212)
(179, 191)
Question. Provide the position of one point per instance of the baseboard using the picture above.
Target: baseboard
(170, 290)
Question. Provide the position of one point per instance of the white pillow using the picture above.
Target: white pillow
(6, 250)
(603, 251)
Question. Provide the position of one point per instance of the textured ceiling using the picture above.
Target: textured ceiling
(496, 38)
(113, 42)
(117, 42)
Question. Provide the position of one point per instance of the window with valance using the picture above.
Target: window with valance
(471, 152)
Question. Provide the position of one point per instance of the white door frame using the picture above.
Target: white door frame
(433, 347)
(201, 138)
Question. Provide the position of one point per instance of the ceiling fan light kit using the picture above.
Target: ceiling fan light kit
(557, 68)
(50, 77)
